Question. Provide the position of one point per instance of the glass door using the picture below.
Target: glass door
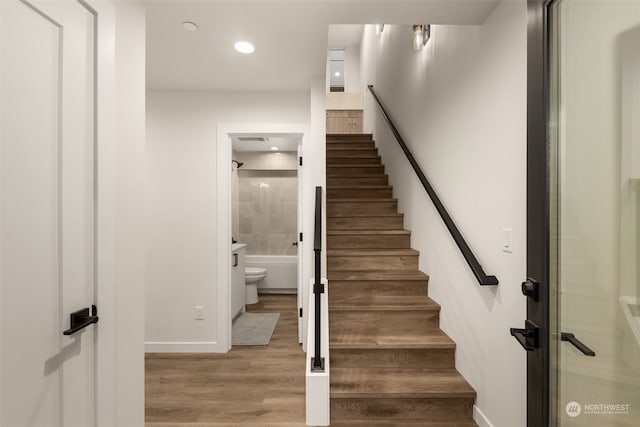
(594, 213)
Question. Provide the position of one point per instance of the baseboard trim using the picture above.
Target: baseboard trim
(480, 418)
(183, 347)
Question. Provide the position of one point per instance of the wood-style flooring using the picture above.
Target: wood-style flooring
(249, 386)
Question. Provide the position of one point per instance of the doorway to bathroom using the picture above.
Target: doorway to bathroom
(264, 225)
(260, 210)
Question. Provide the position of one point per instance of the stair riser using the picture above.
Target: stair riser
(413, 320)
(432, 409)
(393, 358)
(359, 180)
(335, 208)
(340, 289)
(368, 152)
(332, 137)
(351, 144)
(402, 241)
(372, 262)
(354, 170)
(354, 161)
(365, 223)
(371, 193)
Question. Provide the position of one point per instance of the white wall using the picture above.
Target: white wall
(461, 105)
(181, 225)
(314, 174)
(120, 231)
(352, 76)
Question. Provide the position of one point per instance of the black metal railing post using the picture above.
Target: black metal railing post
(317, 361)
(476, 268)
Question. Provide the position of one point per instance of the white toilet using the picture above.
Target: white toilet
(253, 276)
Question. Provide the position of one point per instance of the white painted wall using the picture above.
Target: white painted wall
(314, 174)
(461, 105)
(182, 255)
(352, 76)
(121, 239)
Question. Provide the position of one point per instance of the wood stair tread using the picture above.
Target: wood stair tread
(366, 215)
(361, 200)
(367, 232)
(350, 176)
(368, 156)
(338, 149)
(373, 302)
(398, 383)
(371, 252)
(357, 187)
(352, 165)
(344, 337)
(370, 275)
(400, 423)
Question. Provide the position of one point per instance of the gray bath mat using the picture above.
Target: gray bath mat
(254, 328)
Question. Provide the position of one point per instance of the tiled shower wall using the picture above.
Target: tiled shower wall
(268, 212)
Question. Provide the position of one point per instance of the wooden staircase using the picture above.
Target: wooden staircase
(391, 365)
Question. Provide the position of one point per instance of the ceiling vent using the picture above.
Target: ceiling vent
(252, 139)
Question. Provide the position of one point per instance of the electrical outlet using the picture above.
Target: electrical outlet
(199, 312)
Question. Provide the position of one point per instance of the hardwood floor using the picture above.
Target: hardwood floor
(249, 386)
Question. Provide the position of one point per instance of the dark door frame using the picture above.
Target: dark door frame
(538, 210)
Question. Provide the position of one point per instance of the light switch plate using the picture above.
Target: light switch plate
(199, 312)
(507, 240)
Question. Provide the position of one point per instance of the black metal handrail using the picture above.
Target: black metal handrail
(471, 259)
(317, 362)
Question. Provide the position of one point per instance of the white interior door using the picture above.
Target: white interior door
(47, 210)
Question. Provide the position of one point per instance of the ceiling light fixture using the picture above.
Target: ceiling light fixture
(379, 29)
(190, 26)
(337, 74)
(421, 35)
(274, 148)
(244, 47)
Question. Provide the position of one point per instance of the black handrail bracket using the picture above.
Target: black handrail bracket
(472, 261)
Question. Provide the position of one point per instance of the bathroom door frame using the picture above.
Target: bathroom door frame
(221, 295)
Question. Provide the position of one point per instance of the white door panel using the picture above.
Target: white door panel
(47, 212)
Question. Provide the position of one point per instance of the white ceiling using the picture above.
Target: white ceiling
(340, 36)
(290, 37)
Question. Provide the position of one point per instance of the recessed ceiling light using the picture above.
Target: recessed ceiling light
(189, 26)
(244, 47)
(337, 74)
(274, 148)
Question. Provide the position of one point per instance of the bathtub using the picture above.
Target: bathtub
(282, 272)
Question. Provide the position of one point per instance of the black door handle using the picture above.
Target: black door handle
(527, 337)
(294, 244)
(566, 336)
(235, 260)
(81, 319)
